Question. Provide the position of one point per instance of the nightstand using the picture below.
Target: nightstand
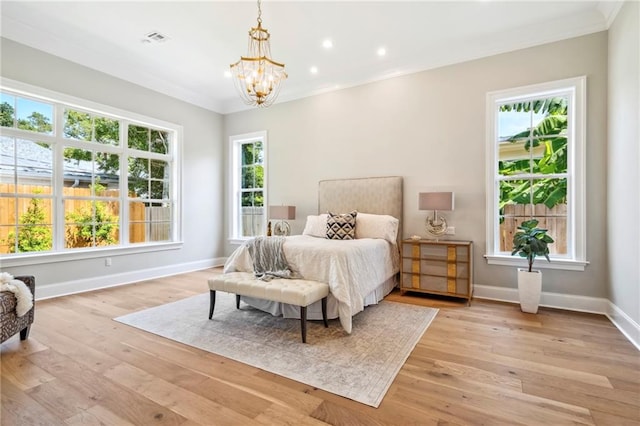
(437, 267)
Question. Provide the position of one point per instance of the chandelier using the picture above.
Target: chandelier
(256, 76)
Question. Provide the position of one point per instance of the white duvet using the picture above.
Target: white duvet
(352, 268)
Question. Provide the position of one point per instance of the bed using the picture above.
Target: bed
(360, 272)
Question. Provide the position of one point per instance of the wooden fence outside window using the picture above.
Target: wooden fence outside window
(146, 224)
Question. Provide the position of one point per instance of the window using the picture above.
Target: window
(535, 152)
(249, 190)
(76, 176)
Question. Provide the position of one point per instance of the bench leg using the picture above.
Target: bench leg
(324, 312)
(212, 302)
(303, 323)
(237, 301)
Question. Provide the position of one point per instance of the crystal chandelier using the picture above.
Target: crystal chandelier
(256, 76)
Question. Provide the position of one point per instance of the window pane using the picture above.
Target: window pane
(159, 169)
(252, 220)
(7, 110)
(34, 230)
(138, 168)
(138, 188)
(77, 125)
(91, 223)
(555, 220)
(160, 190)
(107, 174)
(7, 152)
(138, 138)
(247, 154)
(248, 177)
(553, 157)
(34, 160)
(550, 192)
(77, 168)
(258, 153)
(149, 222)
(107, 131)
(514, 192)
(34, 116)
(159, 142)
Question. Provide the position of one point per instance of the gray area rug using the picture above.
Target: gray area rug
(360, 366)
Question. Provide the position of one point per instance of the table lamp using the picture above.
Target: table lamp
(436, 225)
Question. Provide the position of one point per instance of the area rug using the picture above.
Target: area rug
(360, 366)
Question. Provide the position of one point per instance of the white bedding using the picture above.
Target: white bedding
(352, 268)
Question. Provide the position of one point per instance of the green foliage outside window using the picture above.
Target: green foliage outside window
(252, 178)
(551, 133)
(93, 225)
(36, 122)
(33, 234)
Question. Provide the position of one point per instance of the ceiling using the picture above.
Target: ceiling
(204, 37)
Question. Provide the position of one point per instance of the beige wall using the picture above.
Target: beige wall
(202, 195)
(429, 127)
(623, 184)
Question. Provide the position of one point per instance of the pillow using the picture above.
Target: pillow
(377, 226)
(316, 226)
(341, 226)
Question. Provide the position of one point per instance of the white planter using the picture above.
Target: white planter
(529, 290)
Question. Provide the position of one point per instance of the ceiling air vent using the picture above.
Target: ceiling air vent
(155, 37)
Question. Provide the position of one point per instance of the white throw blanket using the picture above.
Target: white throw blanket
(20, 290)
(268, 258)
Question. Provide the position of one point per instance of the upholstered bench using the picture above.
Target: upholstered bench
(292, 291)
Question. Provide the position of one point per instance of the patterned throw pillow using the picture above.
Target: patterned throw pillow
(341, 226)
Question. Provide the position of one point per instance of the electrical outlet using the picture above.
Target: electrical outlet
(107, 261)
(451, 230)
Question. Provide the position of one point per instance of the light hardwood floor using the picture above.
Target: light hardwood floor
(484, 364)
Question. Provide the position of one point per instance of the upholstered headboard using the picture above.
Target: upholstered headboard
(375, 195)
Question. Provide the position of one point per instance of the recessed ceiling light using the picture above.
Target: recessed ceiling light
(382, 51)
(327, 44)
(227, 74)
(314, 70)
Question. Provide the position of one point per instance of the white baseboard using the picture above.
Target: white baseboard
(105, 281)
(625, 324)
(595, 305)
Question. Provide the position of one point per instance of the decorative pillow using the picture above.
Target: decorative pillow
(316, 226)
(377, 226)
(341, 226)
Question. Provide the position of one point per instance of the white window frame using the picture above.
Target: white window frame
(60, 102)
(575, 259)
(235, 144)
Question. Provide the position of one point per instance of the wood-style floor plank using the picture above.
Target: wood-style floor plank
(484, 364)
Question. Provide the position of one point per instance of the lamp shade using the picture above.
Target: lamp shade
(435, 201)
(282, 212)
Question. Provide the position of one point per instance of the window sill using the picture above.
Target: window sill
(72, 255)
(540, 263)
(238, 241)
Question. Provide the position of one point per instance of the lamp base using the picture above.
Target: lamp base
(436, 226)
(282, 228)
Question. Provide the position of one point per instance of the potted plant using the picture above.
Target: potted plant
(530, 241)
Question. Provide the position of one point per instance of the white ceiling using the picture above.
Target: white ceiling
(205, 37)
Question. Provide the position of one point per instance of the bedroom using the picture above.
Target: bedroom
(399, 136)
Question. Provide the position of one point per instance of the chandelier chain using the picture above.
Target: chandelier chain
(259, 13)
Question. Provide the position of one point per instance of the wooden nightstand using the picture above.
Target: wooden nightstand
(438, 267)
